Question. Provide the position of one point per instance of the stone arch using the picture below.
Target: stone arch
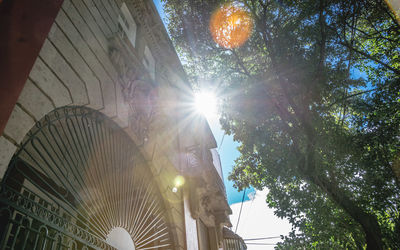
(50, 159)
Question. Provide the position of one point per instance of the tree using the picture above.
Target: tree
(322, 139)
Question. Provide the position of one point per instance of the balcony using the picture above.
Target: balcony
(204, 168)
(205, 163)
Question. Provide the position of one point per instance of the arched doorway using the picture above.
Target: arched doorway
(120, 239)
(76, 177)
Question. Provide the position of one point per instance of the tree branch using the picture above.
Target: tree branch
(240, 62)
(350, 96)
(322, 24)
(368, 222)
(396, 71)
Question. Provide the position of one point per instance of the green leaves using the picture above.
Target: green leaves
(322, 139)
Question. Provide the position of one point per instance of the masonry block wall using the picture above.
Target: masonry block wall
(74, 68)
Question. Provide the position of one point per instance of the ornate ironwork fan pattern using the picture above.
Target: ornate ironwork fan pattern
(75, 178)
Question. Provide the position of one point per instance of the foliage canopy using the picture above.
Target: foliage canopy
(314, 98)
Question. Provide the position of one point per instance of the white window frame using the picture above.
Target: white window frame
(128, 24)
(149, 62)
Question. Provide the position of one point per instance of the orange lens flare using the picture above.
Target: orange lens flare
(230, 26)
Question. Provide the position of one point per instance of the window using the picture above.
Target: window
(149, 63)
(127, 24)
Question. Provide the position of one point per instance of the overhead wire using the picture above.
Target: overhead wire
(264, 238)
(262, 244)
(240, 212)
(249, 209)
(222, 140)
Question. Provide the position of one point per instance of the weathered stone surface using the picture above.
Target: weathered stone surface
(74, 35)
(6, 152)
(91, 34)
(34, 101)
(178, 224)
(105, 14)
(78, 64)
(112, 11)
(159, 160)
(84, 13)
(60, 67)
(50, 84)
(166, 174)
(149, 149)
(98, 17)
(122, 108)
(18, 125)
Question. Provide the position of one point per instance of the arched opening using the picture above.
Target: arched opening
(120, 239)
(76, 179)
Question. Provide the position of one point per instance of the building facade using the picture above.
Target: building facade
(103, 138)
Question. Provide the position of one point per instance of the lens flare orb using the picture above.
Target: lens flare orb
(231, 26)
(179, 181)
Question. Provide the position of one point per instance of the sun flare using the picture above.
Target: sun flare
(231, 26)
(206, 103)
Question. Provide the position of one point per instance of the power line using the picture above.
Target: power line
(240, 212)
(251, 204)
(222, 140)
(262, 244)
(265, 238)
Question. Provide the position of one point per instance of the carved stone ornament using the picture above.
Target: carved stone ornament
(193, 166)
(140, 95)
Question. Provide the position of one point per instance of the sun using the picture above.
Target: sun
(205, 103)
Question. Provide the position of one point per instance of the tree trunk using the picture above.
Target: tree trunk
(367, 221)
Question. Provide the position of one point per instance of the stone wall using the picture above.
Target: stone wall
(74, 67)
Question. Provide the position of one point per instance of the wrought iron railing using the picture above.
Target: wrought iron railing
(58, 230)
(232, 241)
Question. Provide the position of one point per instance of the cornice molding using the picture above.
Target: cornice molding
(157, 37)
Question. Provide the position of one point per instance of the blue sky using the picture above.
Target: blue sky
(228, 153)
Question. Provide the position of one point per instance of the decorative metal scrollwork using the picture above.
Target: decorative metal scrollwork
(77, 176)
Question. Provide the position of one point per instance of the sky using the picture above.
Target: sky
(256, 220)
